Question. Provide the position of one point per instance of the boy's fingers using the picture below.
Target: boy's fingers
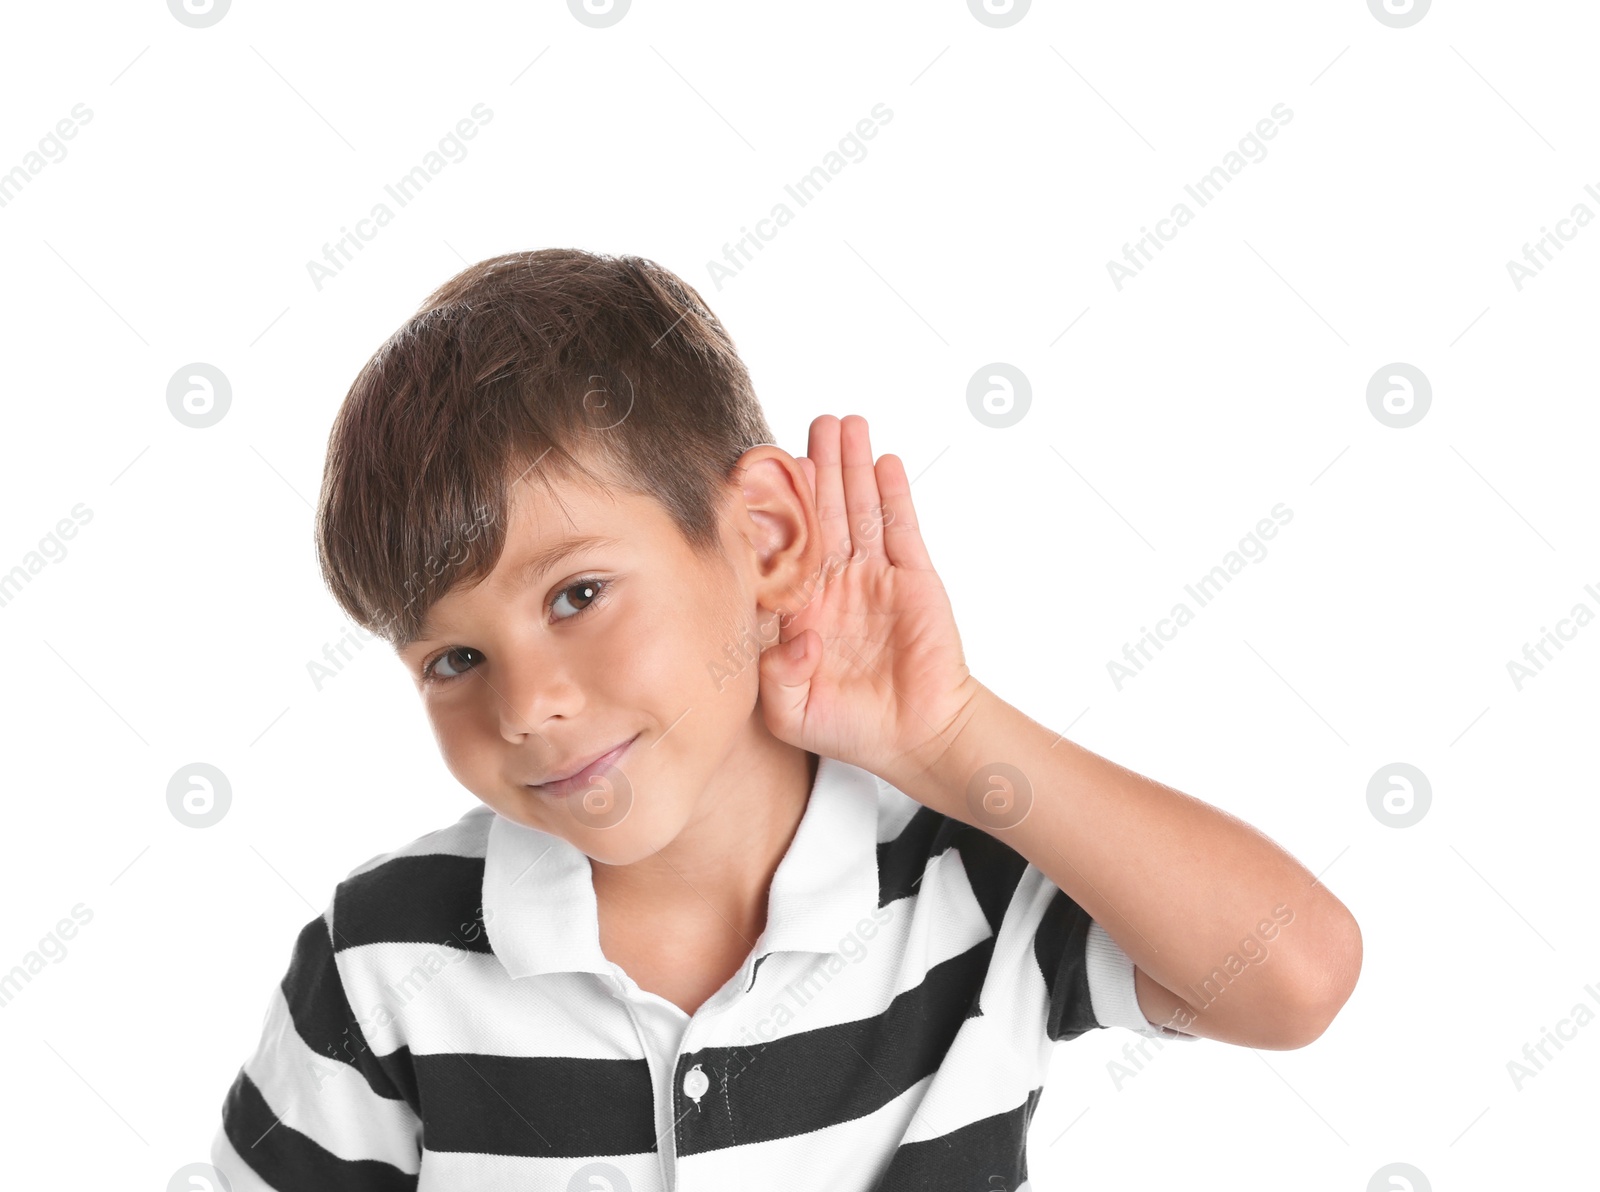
(828, 485)
(861, 499)
(901, 536)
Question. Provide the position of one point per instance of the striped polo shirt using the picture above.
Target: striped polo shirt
(451, 1023)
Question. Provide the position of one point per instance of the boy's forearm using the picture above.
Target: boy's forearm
(1235, 928)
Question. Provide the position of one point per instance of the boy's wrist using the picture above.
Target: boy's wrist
(938, 776)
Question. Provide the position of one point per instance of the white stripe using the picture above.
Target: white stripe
(327, 1100)
(240, 1175)
(433, 998)
(998, 1058)
(454, 1171)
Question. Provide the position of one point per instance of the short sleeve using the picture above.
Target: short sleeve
(1111, 989)
(312, 1107)
(1088, 978)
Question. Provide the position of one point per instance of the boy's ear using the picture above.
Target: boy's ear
(778, 518)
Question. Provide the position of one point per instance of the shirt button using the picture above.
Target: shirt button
(695, 1084)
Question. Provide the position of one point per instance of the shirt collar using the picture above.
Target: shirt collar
(538, 890)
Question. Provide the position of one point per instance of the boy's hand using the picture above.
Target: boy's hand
(870, 671)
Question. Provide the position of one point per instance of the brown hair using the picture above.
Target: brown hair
(524, 364)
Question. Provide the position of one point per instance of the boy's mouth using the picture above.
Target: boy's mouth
(585, 774)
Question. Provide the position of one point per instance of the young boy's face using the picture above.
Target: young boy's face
(636, 639)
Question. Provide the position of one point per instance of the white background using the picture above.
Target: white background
(1228, 376)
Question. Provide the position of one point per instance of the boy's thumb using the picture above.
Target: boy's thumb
(786, 670)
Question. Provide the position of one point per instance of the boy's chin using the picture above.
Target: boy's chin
(601, 830)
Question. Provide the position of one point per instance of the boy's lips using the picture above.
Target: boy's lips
(586, 773)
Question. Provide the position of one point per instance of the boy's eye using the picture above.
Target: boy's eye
(435, 673)
(590, 591)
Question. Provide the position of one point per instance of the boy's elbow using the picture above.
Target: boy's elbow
(1330, 981)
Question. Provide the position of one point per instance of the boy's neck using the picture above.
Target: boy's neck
(719, 869)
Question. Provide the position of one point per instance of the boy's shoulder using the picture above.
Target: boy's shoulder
(972, 866)
(913, 838)
(467, 837)
(428, 890)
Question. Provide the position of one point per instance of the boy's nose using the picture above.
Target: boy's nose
(527, 693)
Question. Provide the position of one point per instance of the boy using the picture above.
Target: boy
(765, 890)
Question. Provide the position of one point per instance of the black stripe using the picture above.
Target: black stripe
(901, 861)
(432, 899)
(993, 868)
(813, 1079)
(288, 1159)
(542, 1106)
(1059, 946)
(984, 1156)
(324, 1020)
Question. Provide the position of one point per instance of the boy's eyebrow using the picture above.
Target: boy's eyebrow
(547, 558)
(529, 571)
